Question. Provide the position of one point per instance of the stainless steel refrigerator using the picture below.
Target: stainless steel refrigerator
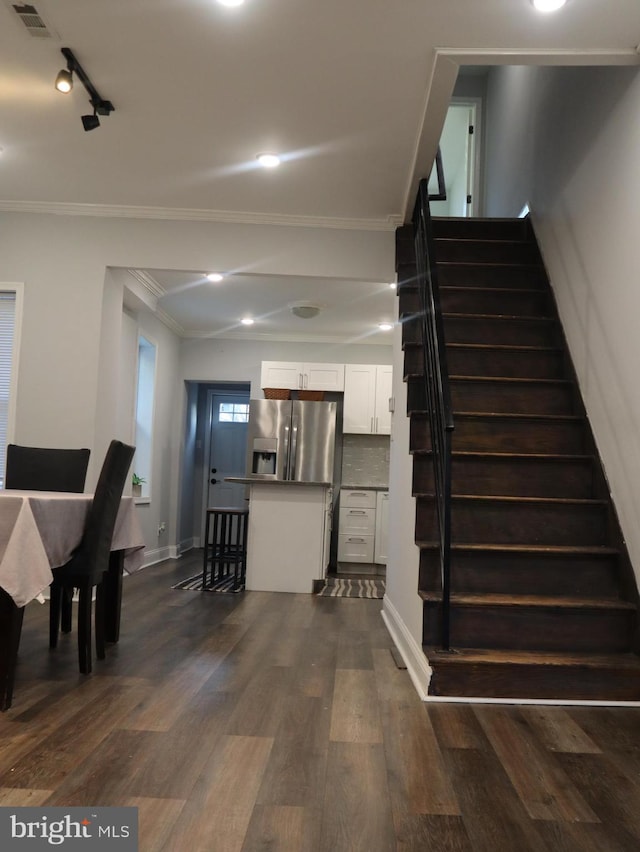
(291, 440)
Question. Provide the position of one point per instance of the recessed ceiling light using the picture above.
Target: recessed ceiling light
(393, 285)
(247, 321)
(214, 276)
(268, 161)
(231, 2)
(385, 326)
(548, 5)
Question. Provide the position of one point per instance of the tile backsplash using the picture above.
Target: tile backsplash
(365, 460)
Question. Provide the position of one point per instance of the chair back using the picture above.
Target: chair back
(46, 469)
(93, 552)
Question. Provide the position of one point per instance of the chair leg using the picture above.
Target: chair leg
(84, 628)
(67, 609)
(99, 617)
(55, 598)
(10, 629)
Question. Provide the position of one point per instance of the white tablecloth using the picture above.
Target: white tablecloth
(39, 530)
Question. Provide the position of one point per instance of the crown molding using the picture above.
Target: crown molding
(148, 282)
(175, 214)
(170, 323)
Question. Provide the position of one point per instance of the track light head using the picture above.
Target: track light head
(90, 122)
(64, 81)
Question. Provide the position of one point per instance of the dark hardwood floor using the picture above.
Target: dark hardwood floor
(280, 722)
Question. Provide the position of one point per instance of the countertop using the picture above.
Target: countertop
(252, 480)
(344, 487)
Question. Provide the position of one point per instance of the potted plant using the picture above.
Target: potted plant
(136, 485)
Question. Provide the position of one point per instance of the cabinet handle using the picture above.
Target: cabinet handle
(306, 380)
(357, 512)
(357, 493)
(355, 539)
(300, 380)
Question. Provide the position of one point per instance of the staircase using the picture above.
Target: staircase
(544, 601)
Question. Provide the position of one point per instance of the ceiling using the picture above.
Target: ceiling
(340, 90)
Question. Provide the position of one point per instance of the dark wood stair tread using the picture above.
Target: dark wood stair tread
(531, 601)
(464, 656)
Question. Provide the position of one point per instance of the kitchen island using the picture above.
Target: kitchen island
(289, 534)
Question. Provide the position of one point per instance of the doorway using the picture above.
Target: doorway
(459, 149)
(225, 449)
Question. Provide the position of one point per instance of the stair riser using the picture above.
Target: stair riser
(507, 477)
(480, 229)
(532, 574)
(508, 363)
(576, 683)
(533, 628)
(509, 303)
(498, 332)
(485, 251)
(498, 397)
(493, 435)
(459, 301)
(510, 277)
(497, 522)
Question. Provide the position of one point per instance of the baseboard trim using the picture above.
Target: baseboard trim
(410, 651)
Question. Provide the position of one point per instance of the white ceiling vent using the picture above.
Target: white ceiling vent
(33, 20)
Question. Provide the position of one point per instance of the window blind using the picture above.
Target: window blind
(7, 326)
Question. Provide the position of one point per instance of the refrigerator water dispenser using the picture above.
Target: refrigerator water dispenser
(264, 456)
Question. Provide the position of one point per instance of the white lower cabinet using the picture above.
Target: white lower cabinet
(357, 526)
(380, 549)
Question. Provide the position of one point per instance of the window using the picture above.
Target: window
(144, 416)
(7, 340)
(233, 412)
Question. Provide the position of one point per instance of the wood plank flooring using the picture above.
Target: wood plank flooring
(254, 722)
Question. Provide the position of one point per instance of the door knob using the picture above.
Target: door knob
(214, 470)
(213, 481)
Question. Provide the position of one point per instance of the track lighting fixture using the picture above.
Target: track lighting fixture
(90, 122)
(64, 83)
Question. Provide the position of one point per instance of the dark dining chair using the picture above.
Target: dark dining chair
(87, 567)
(46, 468)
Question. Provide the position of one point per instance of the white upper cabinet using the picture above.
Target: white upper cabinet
(367, 389)
(300, 376)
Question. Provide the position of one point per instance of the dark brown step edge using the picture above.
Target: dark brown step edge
(488, 454)
(501, 317)
(463, 656)
(490, 264)
(513, 380)
(490, 347)
(534, 549)
(530, 601)
(501, 498)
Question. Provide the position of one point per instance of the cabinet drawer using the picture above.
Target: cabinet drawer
(357, 521)
(355, 548)
(358, 498)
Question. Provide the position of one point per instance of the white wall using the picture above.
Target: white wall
(567, 140)
(402, 610)
(209, 360)
(69, 379)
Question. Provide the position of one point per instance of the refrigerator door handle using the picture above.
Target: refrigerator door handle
(291, 474)
(285, 451)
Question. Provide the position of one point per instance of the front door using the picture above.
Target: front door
(226, 449)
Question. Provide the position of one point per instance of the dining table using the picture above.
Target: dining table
(39, 532)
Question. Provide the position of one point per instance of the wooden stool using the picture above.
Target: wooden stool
(225, 546)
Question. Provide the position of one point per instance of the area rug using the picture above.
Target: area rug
(194, 584)
(338, 587)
